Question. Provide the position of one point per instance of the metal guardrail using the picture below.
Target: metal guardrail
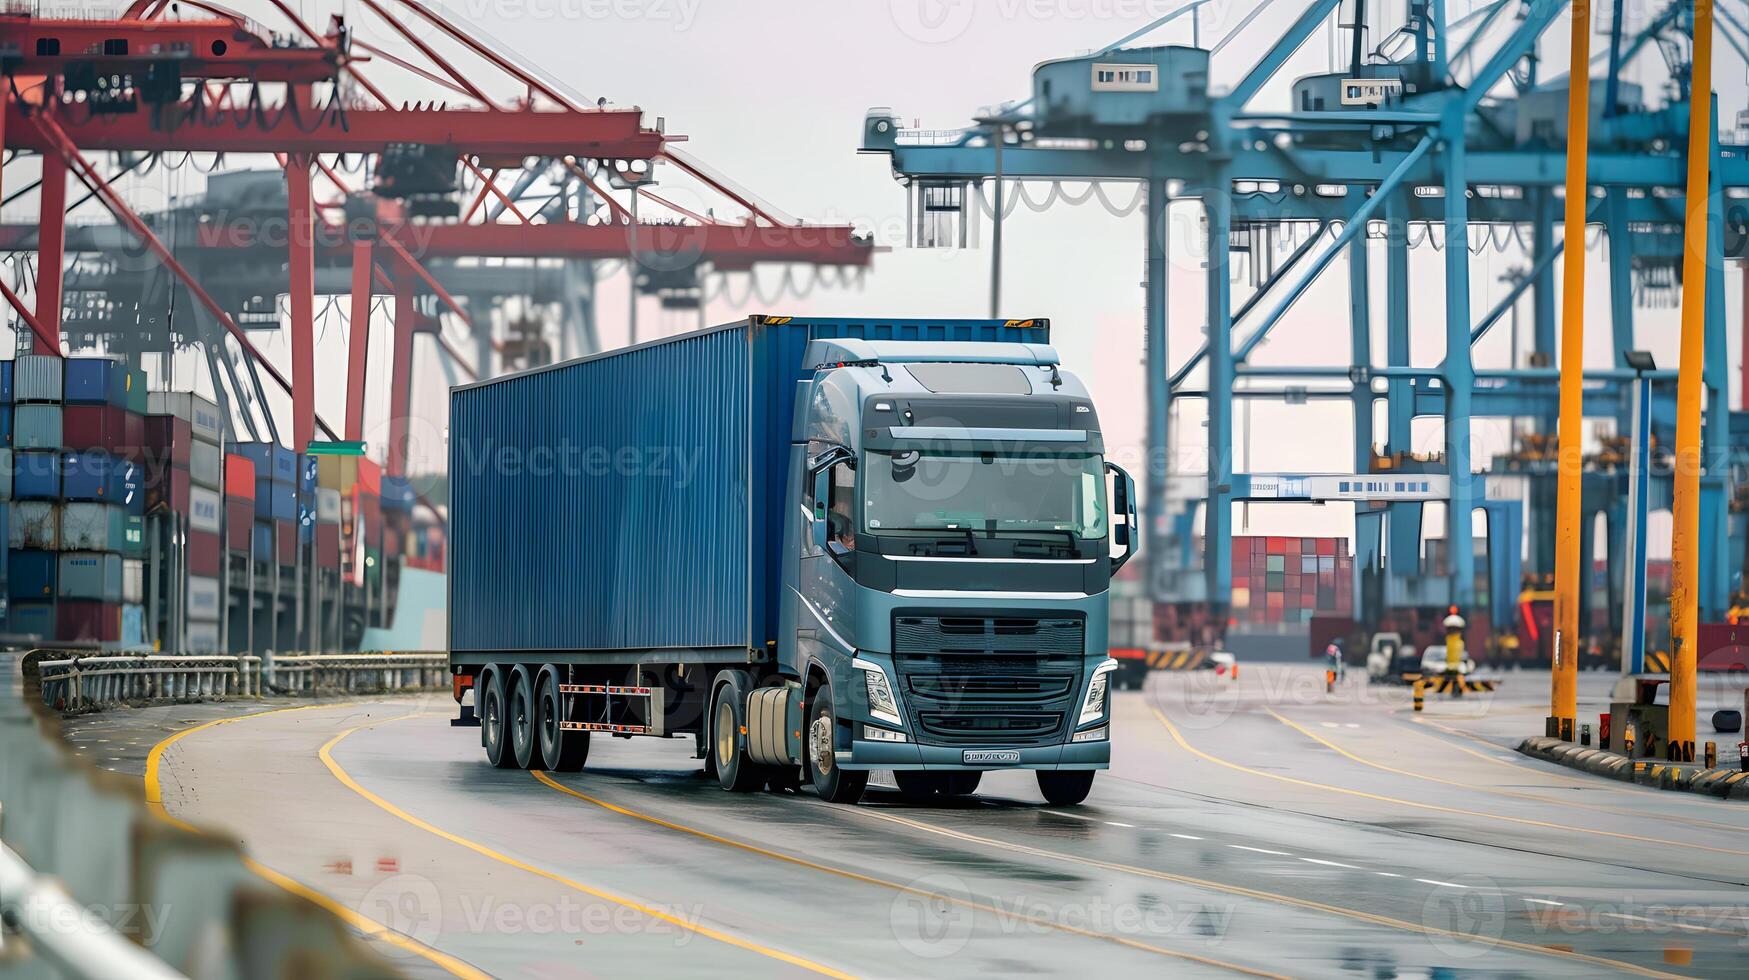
(75, 683)
(94, 885)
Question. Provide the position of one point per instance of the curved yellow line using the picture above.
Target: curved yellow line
(1172, 730)
(364, 924)
(1684, 844)
(908, 889)
(327, 757)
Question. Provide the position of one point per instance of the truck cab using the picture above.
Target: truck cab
(948, 558)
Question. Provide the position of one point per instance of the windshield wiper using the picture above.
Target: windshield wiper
(970, 544)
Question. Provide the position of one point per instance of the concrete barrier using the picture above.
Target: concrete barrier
(1723, 783)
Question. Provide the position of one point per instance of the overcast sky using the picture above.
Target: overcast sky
(773, 93)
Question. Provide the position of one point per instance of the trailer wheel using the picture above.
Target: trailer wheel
(1065, 787)
(735, 772)
(834, 785)
(560, 750)
(494, 722)
(524, 743)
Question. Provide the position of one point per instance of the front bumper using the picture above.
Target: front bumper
(865, 754)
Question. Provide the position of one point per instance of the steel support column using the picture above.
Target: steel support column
(1714, 596)
(51, 266)
(1403, 525)
(301, 264)
(1218, 527)
(358, 343)
(1621, 280)
(401, 369)
(1360, 342)
(1158, 453)
(1458, 374)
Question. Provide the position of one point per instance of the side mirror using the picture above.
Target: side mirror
(1123, 502)
(822, 499)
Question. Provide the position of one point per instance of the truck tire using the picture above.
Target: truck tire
(524, 743)
(1065, 787)
(560, 750)
(735, 772)
(834, 785)
(495, 722)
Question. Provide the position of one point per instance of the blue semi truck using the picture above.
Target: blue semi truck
(817, 547)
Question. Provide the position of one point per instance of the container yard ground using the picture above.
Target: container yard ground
(1256, 824)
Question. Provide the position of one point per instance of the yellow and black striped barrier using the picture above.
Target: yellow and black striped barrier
(1175, 659)
(1657, 662)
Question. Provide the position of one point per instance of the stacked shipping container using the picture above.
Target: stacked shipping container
(186, 472)
(1290, 580)
(74, 569)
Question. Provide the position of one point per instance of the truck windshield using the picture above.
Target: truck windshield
(984, 492)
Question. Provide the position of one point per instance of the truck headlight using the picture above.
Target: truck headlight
(1093, 705)
(881, 703)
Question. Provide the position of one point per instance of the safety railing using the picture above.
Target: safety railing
(94, 885)
(91, 683)
(357, 673)
(74, 682)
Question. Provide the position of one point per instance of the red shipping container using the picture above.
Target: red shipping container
(113, 430)
(239, 515)
(328, 545)
(92, 621)
(286, 532)
(206, 555)
(167, 487)
(240, 478)
(167, 440)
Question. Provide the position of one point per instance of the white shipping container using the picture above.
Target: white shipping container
(92, 526)
(202, 415)
(206, 466)
(203, 599)
(327, 505)
(37, 378)
(36, 524)
(203, 638)
(205, 510)
(133, 580)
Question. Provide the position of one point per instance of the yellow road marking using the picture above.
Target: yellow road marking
(345, 778)
(897, 886)
(1500, 792)
(364, 924)
(1262, 896)
(1587, 784)
(1172, 730)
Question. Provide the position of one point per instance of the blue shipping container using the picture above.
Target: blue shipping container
(36, 476)
(98, 476)
(96, 381)
(32, 619)
(5, 382)
(272, 462)
(6, 423)
(278, 501)
(261, 540)
(307, 474)
(586, 496)
(31, 574)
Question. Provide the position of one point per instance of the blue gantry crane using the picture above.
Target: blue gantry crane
(1440, 133)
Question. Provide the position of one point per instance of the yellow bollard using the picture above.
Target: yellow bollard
(1418, 695)
(1712, 755)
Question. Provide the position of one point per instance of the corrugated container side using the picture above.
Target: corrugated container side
(31, 574)
(590, 559)
(37, 378)
(36, 475)
(93, 527)
(32, 619)
(90, 575)
(133, 625)
(203, 598)
(96, 621)
(205, 553)
(5, 473)
(205, 466)
(36, 427)
(206, 510)
(239, 518)
(575, 557)
(133, 580)
(5, 382)
(203, 638)
(239, 477)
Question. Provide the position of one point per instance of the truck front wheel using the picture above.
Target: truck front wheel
(1065, 787)
(834, 785)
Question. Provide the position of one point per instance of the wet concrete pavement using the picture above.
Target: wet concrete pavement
(1255, 826)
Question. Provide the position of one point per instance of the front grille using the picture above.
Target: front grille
(993, 681)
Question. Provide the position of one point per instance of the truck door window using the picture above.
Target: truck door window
(841, 513)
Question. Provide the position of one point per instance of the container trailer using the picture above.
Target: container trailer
(816, 547)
